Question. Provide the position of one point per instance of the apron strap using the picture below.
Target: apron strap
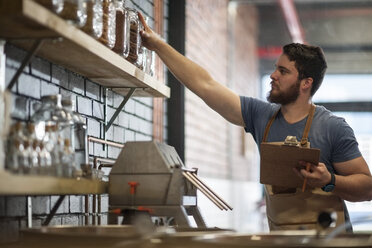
(268, 125)
(306, 130)
(308, 125)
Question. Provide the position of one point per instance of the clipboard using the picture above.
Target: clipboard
(278, 161)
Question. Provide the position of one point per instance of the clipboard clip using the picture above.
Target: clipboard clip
(291, 141)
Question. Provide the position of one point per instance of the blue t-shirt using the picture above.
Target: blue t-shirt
(329, 133)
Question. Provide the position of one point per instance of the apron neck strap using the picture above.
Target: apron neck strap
(306, 130)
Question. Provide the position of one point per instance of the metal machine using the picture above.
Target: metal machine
(150, 177)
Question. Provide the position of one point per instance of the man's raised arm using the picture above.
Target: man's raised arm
(194, 77)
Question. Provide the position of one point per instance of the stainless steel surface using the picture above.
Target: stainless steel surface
(152, 175)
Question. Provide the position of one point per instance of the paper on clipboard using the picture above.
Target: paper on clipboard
(278, 161)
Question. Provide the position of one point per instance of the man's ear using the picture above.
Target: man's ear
(307, 82)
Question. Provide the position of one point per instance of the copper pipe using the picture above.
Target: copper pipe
(210, 190)
(107, 161)
(207, 194)
(110, 143)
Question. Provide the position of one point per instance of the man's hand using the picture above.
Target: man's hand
(317, 176)
(148, 36)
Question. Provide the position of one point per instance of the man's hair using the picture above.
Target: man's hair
(309, 62)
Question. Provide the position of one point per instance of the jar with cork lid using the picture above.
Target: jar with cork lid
(134, 35)
(109, 24)
(122, 29)
(94, 23)
(74, 12)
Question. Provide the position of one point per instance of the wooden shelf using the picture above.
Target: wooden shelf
(11, 184)
(24, 21)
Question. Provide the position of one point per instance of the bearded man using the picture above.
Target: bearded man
(342, 173)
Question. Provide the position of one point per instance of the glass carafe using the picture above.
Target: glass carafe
(94, 23)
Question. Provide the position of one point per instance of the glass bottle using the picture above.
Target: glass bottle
(94, 23)
(109, 24)
(54, 5)
(15, 141)
(45, 160)
(32, 149)
(13, 158)
(134, 35)
(74, 12)
(24, 158)
(122, 29)
(34, 158)
(68, 159)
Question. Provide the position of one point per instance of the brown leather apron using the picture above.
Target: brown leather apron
(292, 209)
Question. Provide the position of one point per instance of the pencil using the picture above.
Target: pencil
(305, 180)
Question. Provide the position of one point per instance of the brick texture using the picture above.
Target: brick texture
(41, 78)
(226, 156)
(219, 149)
(205, 130)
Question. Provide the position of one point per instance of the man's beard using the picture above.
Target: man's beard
(285, 98)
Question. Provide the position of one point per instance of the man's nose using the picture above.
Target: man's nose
(273, 75)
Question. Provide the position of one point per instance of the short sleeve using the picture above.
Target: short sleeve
(345, 145)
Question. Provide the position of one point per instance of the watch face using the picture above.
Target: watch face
(328, 188)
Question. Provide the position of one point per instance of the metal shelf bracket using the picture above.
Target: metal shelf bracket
(35, 47)
(121, 106)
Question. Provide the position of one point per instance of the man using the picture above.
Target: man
(298, 75)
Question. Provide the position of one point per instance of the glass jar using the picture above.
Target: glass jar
(51, 113)
(148, 58)
(141, 60)
(150, 62)
(94, 23)
(79, 139)
(109, 24)
(74, 12)
(122, 29)
(134, 35)
(54, 5)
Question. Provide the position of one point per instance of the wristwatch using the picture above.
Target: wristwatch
(330, 186)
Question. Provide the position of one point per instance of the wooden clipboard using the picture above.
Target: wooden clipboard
(278, 161)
